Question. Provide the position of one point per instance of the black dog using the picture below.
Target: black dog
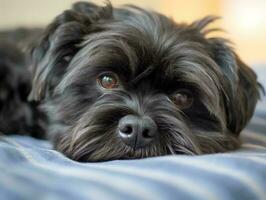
(17, 115)
(122, 83)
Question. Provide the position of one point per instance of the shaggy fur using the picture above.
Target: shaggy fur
(153, 57)
(17, 115)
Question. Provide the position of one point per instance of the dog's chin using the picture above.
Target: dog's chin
(108, 146)
(91, 151)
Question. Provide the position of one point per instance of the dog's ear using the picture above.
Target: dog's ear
(60, 42)
(248, 91)
(241, 90)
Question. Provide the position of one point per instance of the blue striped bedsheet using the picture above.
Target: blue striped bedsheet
(30, 169)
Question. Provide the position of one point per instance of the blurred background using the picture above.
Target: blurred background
(243, 20)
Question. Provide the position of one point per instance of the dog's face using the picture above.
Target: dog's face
(128, 83)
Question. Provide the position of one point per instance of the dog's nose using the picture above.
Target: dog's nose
(137, 131)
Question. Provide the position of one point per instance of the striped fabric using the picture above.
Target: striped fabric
(30, 169)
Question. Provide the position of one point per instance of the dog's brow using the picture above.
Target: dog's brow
(145, 73)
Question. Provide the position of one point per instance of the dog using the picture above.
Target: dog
(127, 83)
(17, 115)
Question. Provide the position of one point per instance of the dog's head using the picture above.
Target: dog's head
(129, 83)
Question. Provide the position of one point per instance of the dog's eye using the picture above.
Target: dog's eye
(108, 80)
(183, 98)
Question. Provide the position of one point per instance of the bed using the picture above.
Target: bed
(30, 169)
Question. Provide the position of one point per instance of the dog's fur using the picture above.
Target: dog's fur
(153, 57)
(17, 115)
